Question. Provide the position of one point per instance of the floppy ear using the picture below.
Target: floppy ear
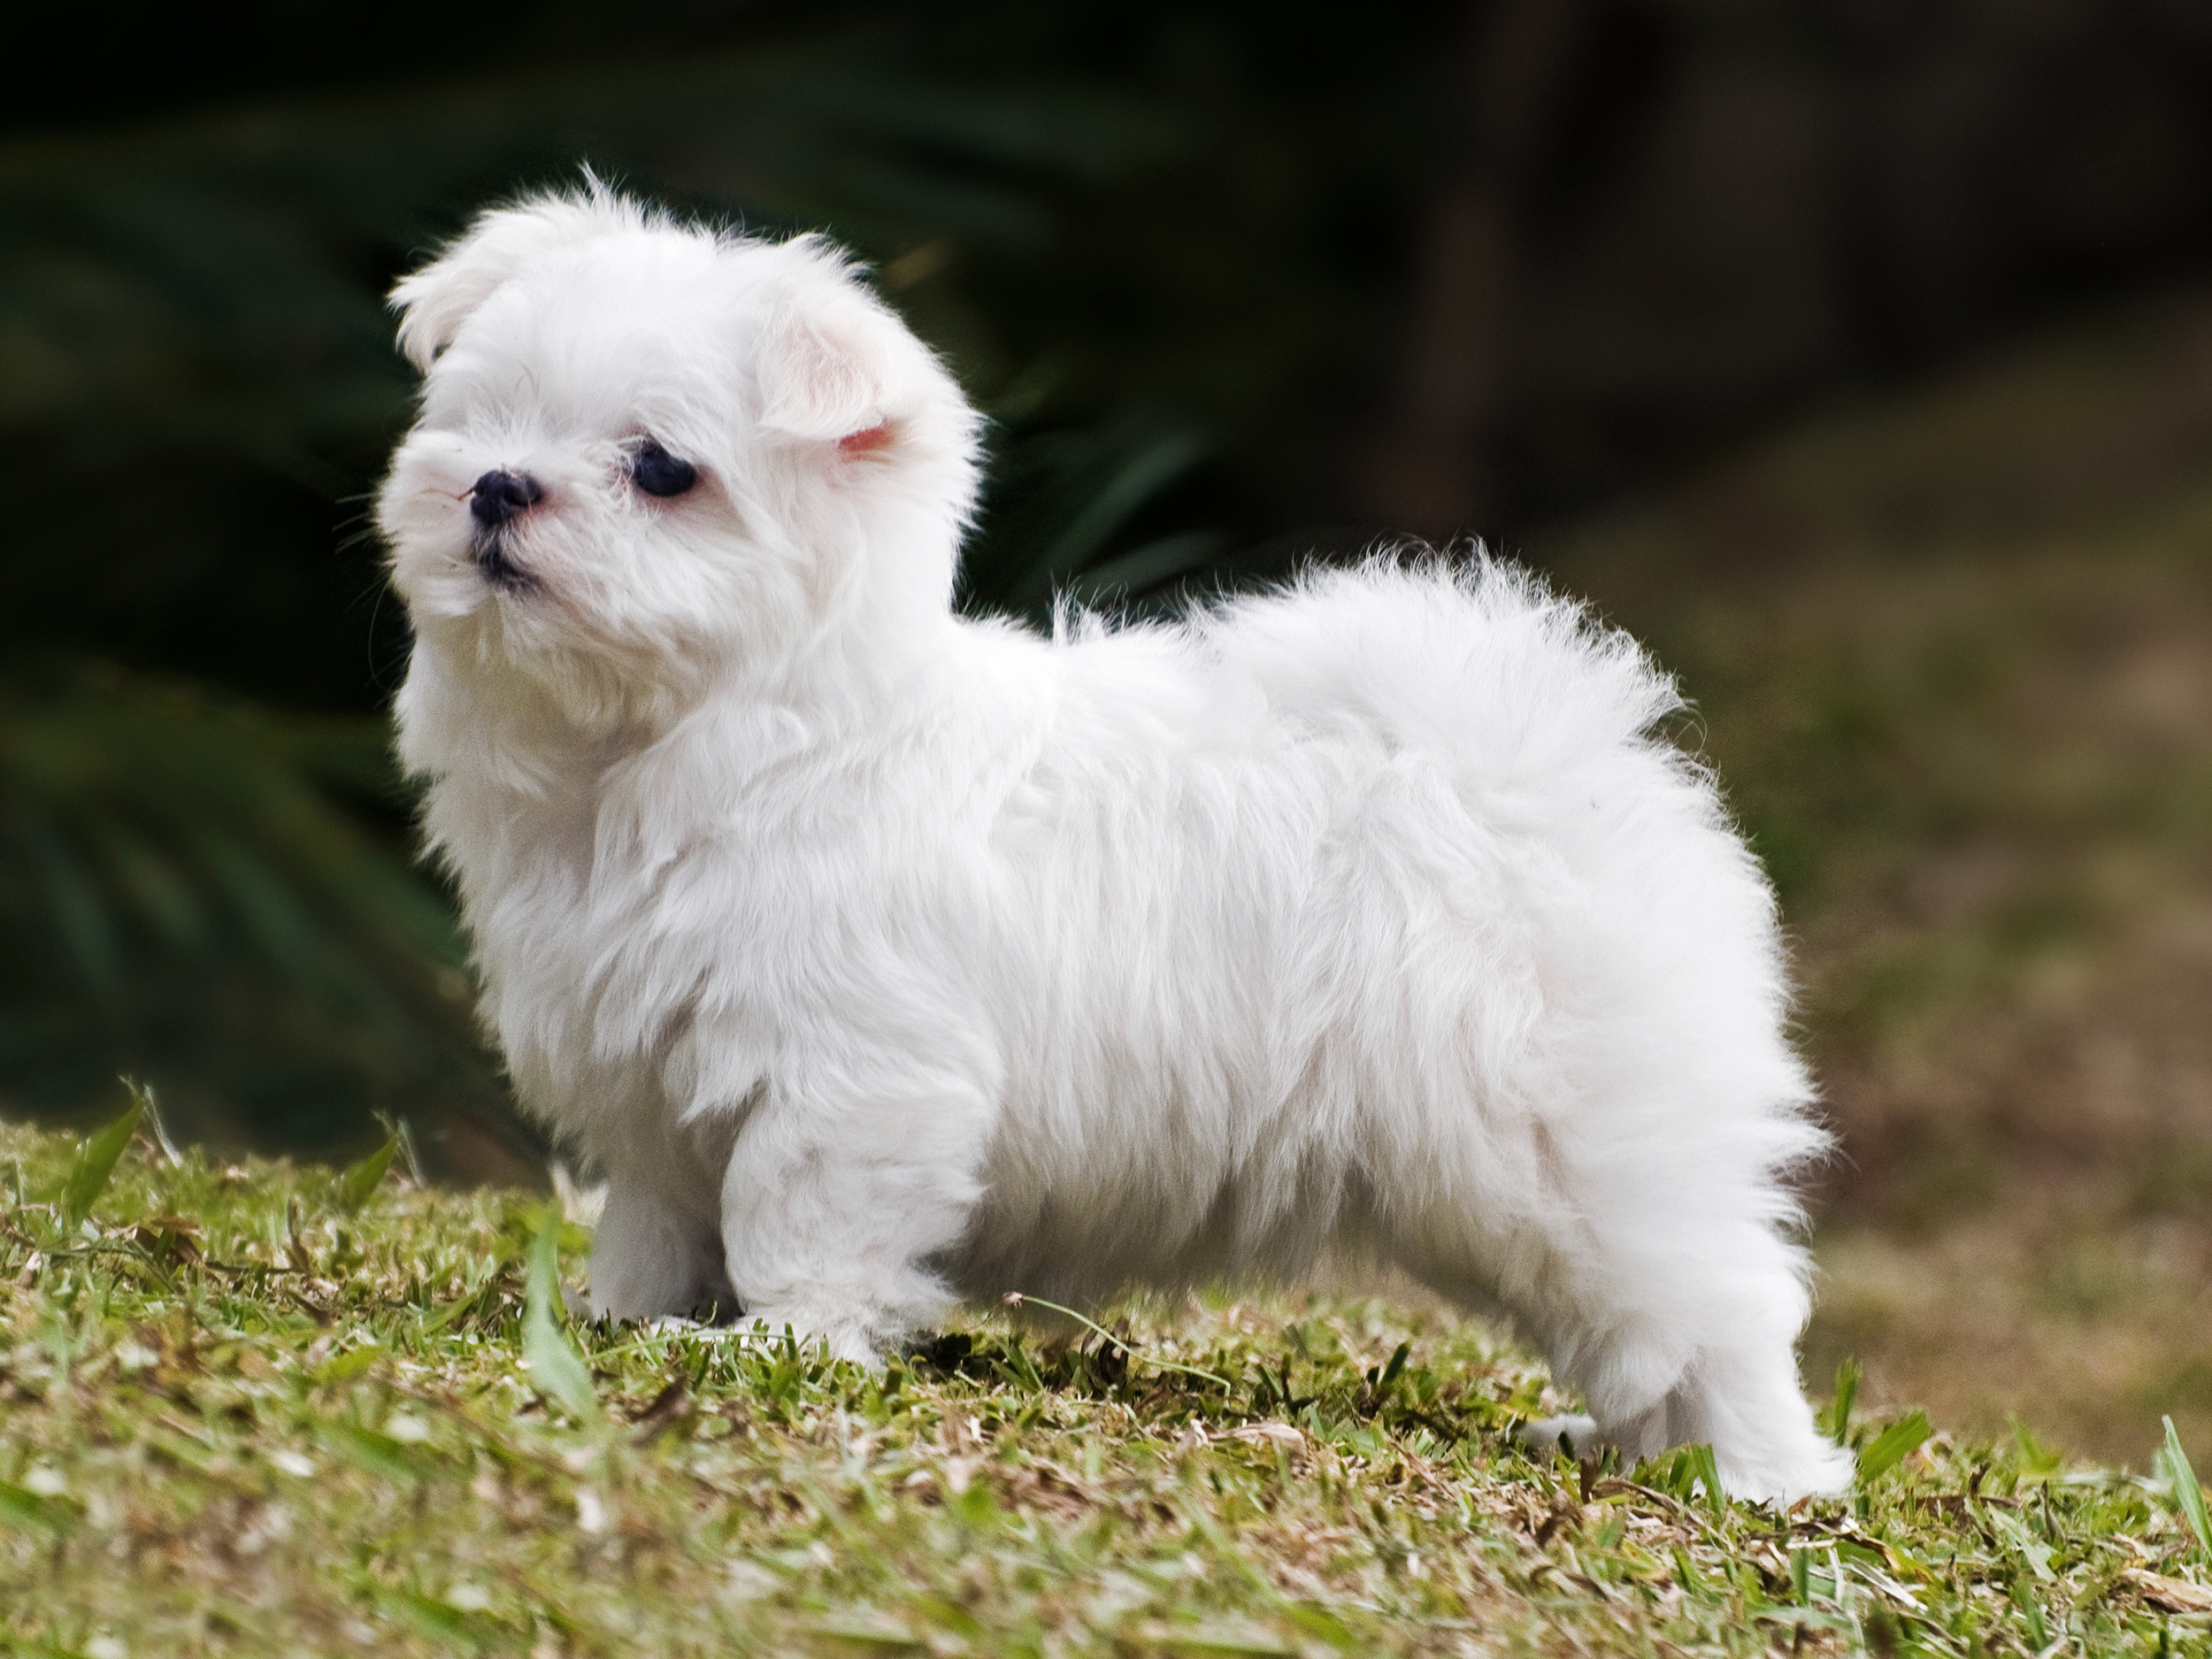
(433, 302)
(834, 363)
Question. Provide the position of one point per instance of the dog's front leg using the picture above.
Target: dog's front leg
(652, 1257)
(836, 1198)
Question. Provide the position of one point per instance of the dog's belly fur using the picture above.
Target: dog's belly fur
(1189, 1094)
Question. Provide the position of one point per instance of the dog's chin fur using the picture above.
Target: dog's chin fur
(884, 958)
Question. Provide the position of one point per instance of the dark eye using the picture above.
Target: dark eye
(657, 472)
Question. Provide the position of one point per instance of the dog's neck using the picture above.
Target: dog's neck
(526, 737)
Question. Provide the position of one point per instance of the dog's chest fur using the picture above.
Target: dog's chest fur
(755, 870)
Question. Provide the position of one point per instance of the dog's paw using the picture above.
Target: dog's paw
(844, 1338)
(1813, 1467)
(1575, 1435)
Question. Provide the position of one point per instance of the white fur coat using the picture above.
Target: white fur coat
(884, 957)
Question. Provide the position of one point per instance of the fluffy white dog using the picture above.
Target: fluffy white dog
(884, 956)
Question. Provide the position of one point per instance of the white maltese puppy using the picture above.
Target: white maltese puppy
(885, 957)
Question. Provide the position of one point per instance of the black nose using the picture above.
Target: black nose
(499, 496)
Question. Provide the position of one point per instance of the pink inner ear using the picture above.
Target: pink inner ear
(867, 439)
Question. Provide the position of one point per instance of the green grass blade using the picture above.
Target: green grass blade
(1706, 1467)
(1891, 1446)
(447, 1627)
(362, 1180)
(89, 1175)
(379, 1455)
(1398, 1357)
(555, 1366)
(347, 1365)
(2037, 1462)
(2188, 1493)
(28, 1512)
(145, 1095)
(1847, 1375)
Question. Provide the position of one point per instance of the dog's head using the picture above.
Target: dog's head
(648, 449)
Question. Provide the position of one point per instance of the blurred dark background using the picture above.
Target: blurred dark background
(1856, 352)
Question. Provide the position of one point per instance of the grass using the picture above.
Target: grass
(264, 1409)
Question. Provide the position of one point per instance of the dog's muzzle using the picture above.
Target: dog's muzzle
(498, 498)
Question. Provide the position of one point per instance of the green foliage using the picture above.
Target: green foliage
(312, 1430)
(199, 889)
(1056, 528)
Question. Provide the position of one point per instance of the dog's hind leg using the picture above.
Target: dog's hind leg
(1671, 1303)
(1736, 1390)
(1744, 1401)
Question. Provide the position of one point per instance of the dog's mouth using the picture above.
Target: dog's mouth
(494, 558)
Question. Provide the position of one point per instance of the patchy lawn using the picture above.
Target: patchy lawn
(265, 1409)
